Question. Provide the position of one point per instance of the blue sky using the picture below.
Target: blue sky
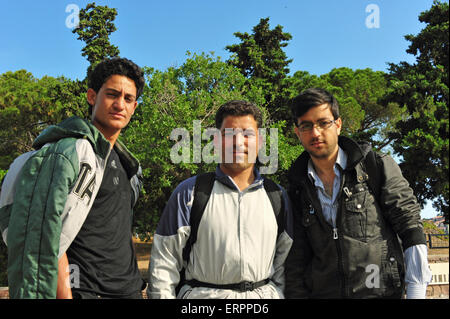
(326, 33)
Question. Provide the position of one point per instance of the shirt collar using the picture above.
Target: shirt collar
(228, 181)
(341, 164)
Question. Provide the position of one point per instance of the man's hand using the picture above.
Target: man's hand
(63, 290)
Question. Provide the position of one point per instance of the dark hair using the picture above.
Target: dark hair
(238, 108)
(311, 98)
(116, 66)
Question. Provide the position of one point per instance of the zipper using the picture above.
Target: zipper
(341, 268)
(335, 233)
(335, 236)
(241, 249)
(341, 272)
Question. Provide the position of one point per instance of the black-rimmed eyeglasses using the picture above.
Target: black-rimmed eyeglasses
(322, 125)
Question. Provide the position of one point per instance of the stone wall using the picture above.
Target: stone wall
(438, 291)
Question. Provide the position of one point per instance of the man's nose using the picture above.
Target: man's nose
(119, 102)
(239, 138)
(315, 130)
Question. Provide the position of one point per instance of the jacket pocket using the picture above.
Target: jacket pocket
(315, 234)
(355, 218)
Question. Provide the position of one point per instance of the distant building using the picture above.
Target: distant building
(438, 221)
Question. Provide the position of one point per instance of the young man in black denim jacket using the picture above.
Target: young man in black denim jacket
(346, 234)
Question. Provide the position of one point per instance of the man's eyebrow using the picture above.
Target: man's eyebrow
(116, 91)
(321, 119)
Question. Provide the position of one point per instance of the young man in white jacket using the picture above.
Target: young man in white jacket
(240, 250)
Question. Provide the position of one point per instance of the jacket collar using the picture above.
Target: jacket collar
(130, 163)
(77, 127)
(340, 165)
(228, 181)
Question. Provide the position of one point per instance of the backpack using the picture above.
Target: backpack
(203, 187)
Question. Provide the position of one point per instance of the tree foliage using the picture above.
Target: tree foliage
(27, 106)
(261, 59)
(95, 26)
(422, 139)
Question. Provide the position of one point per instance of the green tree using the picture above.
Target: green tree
(422, 138)
(95, 26)
(261, 59)
(360, 95)
(27, 106)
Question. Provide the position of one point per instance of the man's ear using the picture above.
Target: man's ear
(338, 123)
(217, 139)
(297, 132)
(261, 141)
(91, 96)
(135, 106)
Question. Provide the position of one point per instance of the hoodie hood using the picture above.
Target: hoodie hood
(77, 128)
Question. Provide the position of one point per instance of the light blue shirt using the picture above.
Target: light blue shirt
(418, 274)
(329, 204)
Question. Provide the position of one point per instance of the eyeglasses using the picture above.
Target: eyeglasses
(322, 125)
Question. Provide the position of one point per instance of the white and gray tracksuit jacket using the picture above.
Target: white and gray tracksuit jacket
(237, 241)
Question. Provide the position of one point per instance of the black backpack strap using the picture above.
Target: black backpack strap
(204, 184)
(276, 199)
(373, 171)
